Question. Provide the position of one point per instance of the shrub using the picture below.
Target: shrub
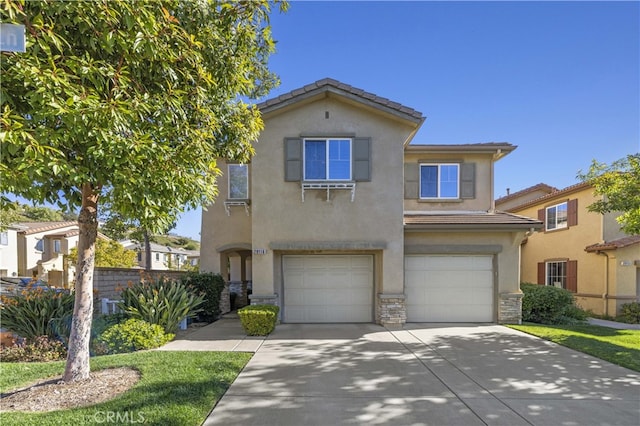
(210, 286)
(134, 335)
(38, 349)
(30, 313)
(546, 304)
(631, 312)
(258, 320)
(161, 302)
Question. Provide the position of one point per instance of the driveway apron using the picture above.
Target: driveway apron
(424, 374)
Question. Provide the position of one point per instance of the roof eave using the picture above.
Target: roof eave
(472, 226)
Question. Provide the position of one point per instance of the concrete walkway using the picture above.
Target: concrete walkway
(425, 374)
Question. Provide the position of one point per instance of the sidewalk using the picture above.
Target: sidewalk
(225, 334)
(613, 324)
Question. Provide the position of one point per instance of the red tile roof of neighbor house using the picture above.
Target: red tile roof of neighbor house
(467, 220)
(534, 188)
(565, 191)
(614, 244)
(36, 227)
(331, 85)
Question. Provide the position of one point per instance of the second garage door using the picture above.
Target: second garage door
(328, 288)
(449, 288)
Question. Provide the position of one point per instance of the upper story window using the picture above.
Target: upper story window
(57, 247)
(4, 238)
(327, 159)
(556, 216)
(440, 181)
(238, 182)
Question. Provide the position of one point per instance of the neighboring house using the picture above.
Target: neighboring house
(339, 219)
(164, 257)
(9, 250)
(581, 251)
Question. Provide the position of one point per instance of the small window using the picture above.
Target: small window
(327, 159)
(556, 216)
(557, 274)
(439, 181)
(39, 245)
(157, 256)
(4, 238)
(139, 256)
(57, 246)
(238, 182)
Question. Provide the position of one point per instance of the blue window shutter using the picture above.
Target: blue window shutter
(468, 180)
(362, 159)
(292, 159)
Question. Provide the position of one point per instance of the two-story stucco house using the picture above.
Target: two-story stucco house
(581, 251)
(339, 218)
(163, 257)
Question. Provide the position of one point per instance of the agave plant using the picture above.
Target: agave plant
(161, 302)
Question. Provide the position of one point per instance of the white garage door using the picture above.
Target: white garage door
(449, 288)
(327, 288)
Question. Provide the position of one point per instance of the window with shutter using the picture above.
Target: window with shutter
(556, 216)
(439, 181)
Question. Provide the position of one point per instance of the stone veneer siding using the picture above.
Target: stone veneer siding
(510, 308)
(391, 310)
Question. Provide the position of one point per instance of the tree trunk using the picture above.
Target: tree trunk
(77, 367)
(147, 251)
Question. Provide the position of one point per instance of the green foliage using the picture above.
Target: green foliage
(14, 212)
(163, 302)
(631, 312)
(210, 286)
(32, 313)
(259, 320)
(140, 110)
(134, 335)
(619, 184)
(109, 254)
(547, 304)
(38, 349)
(175, 388)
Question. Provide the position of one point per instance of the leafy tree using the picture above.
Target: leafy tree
(128, 104)
(42, 214)
(619, 184)
(109, 254)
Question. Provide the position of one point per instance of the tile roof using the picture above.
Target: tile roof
(36, 227)
(534, 188)
(568, 190)
(466, 220)
(331, 85)
(614, 244)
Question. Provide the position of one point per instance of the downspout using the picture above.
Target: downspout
(605, 296)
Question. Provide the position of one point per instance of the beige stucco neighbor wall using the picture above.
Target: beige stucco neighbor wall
(375, 215)
(598, 279)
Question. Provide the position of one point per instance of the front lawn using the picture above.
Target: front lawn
(620, 347)
(176, 388)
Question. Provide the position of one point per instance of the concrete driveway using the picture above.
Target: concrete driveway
(425, 374)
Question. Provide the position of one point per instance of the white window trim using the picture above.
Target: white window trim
(546, 273)
(438, 197)
(246, 167)
(326, 140)
(564, 225)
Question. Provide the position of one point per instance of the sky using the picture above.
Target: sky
(560, 80)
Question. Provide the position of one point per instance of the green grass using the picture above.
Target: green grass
(621, 347)
(176, 388)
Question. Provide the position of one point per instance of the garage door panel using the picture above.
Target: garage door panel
(328, 288)
(444, 288)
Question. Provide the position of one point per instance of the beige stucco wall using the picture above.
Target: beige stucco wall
(9, 254)
(483, 187)
(220, 230)
(375, 215)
